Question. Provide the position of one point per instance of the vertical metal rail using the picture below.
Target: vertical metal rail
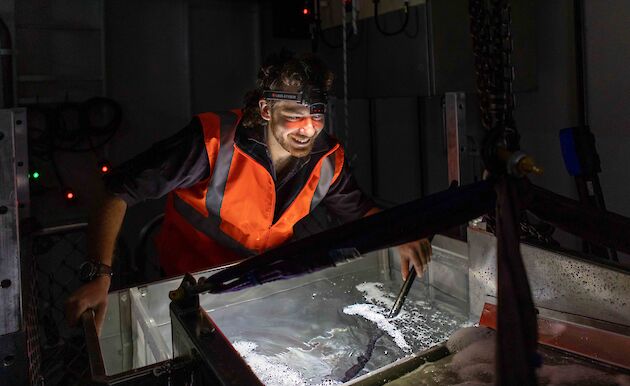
(13, 356)
(6, 67)
(373, 146)
(588, 184)
(455, 126)
(97, 366)
(430, 53)
(422, 158)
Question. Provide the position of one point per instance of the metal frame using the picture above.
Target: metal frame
(10, 301)
(198, 338)
(156, 374)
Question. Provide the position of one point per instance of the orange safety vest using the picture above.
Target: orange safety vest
(229, 215)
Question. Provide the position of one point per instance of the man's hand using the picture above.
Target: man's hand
(418, 253)
(91, 295)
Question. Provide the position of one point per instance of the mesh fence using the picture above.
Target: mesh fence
(57, 254)
(31, 327)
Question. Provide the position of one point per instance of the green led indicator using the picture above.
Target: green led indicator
(35, 175)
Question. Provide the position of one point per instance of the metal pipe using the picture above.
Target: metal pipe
(402, 295)
(6, 67)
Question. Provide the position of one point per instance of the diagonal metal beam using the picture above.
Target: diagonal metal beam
(412, 221)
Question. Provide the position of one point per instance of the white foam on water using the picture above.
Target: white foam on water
(372, 292)
(322, 359)
(269, 370)
(273, 371)
(376, 315)
(418, 322)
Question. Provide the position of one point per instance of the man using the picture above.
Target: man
(239, 181)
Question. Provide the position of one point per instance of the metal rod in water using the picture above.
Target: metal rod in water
(402, 295)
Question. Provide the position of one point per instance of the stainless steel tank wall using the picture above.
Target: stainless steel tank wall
(447, 276)
(558, 281)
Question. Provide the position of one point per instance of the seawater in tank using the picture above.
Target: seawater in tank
(310, 330)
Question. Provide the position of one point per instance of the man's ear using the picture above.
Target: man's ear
(265, 109)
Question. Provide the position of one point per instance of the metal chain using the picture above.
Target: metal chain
(528, 231)
(531, 232)
(490, 27)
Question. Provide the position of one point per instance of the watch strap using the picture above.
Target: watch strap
(102, 269)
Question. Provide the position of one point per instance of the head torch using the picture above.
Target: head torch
(313, 98)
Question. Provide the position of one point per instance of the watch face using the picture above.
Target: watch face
(87, 271)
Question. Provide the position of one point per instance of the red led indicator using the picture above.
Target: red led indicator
(69, 195)
(104, 167)
(305, 11)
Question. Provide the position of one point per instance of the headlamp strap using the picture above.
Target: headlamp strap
(314, 98)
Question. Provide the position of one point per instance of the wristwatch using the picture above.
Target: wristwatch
(91, 269)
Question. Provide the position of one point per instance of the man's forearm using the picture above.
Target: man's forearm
(105, 220)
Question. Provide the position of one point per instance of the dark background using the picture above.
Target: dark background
(165, 60)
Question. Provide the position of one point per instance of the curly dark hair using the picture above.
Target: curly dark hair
(280, 71)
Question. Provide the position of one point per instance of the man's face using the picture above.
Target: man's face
(293, 127)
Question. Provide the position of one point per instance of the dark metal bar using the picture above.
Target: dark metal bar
(591, 224)
(517, 332)
(6, 67)
(196, 336)
(422, 158)
(97, 367)
(373, 145)
(580, 62)
(408, 222)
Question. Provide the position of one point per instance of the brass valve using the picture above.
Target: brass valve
(527, 165)
(518, 163)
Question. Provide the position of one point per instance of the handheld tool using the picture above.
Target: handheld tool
(363, 359)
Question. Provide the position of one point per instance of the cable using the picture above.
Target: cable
(346, 124)
(97, 117)
(417, 31)
(387, 33)
(70, 127)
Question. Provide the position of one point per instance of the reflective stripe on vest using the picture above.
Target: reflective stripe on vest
(216, 188)
(325, 180)
(208, 226)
